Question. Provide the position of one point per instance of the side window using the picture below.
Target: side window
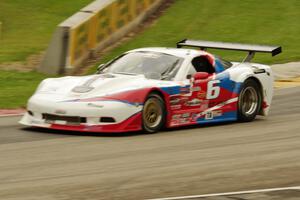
(226, 64)
(202, 64)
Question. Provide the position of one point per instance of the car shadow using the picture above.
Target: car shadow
(214, 124)
(200, 126)
(78, 133)
(135, 133)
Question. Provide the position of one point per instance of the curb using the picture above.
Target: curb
(11, 112)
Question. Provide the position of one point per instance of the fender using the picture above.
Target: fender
(265, 80)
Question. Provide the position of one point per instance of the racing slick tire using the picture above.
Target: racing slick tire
(153, 114)
(249, 101)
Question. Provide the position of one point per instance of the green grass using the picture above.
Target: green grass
(28, 26)
(17, 87)
(271, 22)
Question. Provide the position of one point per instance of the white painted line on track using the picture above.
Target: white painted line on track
(229, 193)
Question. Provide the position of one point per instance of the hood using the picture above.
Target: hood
(100, 85)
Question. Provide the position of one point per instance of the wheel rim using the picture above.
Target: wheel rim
(249, 101)
(152, 114)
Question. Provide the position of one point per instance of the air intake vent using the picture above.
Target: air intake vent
(107, 120)
(68, 119)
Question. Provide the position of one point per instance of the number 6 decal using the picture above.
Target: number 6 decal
(213, 90)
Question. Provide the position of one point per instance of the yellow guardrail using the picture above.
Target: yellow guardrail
(101, 25)
(96, 26)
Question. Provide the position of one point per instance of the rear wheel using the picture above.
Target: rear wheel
(250, 100)
(153, 114)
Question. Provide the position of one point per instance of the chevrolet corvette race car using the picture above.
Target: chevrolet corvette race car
(151, 88)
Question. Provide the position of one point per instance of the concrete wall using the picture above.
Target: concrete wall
(96, 26)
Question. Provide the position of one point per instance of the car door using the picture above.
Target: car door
(192, 99)
(201, 98)
(219, 96)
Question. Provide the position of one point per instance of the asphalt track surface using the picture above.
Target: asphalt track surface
(43, 164)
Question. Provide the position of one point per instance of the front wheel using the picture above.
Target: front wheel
(154, 114)
(250, 100)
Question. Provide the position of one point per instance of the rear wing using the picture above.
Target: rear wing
(250, 48)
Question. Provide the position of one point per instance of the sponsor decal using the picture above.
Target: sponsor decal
(195, 89)
(209, 115)
(174, 122)
(202, 94)
(183, 121)
(179, 122)
(212, 114)
(174, 101)
(184, 90)
(193, 102)
(61, 112)
(95, 105)
(185, 115)
(199, 81)
(176, 117)
(35, 122)
(175, 107)
(217, 113)
(204, 105)
(185, 98)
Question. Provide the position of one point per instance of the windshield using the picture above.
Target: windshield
(151, 64)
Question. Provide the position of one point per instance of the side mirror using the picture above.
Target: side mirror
(201, 75)
(100, 67)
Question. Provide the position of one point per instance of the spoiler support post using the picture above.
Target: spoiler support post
(249, 57)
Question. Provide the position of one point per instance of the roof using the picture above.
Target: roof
(172, 51)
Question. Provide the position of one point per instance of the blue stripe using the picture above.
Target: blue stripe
(228, 84)
(219, 66)
(228, 116)
(173, 90)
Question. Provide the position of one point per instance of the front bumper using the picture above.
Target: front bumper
(126, 117)
(133, 123)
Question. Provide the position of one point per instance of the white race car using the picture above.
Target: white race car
(151, 88)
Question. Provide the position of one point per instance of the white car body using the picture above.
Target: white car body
(63, 103)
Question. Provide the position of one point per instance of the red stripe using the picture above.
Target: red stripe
(131, 124)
